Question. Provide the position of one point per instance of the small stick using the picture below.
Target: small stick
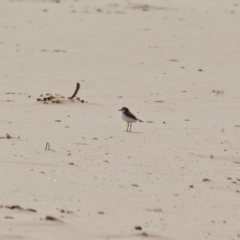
(47, 148)
(76, 91)
(9, 137)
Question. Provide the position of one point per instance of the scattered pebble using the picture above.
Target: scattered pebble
(218, 92)
(64, 211)
(50, 218)
(134, 185)
(8, 217)
(155, 210)
(139, 228)
(206, 180)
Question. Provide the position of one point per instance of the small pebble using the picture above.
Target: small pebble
(139, 228)
(206, 180)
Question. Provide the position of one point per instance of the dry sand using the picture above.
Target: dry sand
(175, 64)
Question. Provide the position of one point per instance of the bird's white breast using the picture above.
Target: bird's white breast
(127, 119)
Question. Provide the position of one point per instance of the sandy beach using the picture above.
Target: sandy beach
(175, 65)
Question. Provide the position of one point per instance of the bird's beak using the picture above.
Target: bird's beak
(120, 110)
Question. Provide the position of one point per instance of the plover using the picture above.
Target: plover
(128, 117)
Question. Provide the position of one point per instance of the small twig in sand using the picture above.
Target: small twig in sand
(76, 91)
(13, 207)
(7, 136)
(51, 218)
(47, 148)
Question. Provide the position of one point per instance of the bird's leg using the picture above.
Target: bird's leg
(130, 127)
(127, 126)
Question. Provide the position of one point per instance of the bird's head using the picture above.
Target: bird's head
(124, 109)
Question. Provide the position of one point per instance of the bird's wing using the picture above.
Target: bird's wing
(131, 115)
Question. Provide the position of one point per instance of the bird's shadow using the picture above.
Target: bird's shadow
(132, 132)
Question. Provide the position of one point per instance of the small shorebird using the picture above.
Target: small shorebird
(128, 117)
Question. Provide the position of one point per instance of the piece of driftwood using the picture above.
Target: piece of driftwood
(76, 91)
